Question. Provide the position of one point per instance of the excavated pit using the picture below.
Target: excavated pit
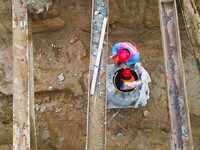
(61, 70)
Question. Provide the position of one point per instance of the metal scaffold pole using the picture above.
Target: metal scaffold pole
(24, 134)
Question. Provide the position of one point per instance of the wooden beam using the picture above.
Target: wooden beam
(23, 89)
(96, 68)
(33, 135)
(175, 79)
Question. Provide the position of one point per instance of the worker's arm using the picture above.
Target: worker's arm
(116, 48)
(134, 59)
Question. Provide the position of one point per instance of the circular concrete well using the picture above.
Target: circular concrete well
(114, 95)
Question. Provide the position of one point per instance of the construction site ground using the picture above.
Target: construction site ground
(61, 70)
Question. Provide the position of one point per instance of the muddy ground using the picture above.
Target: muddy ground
(61, 70)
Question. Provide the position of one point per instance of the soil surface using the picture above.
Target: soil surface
(61, 70)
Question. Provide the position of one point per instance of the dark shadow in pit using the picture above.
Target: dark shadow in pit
(118, 82)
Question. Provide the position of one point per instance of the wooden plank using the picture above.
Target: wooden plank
(94, 79)
(23, 98)
(33, 136)
(175, 80)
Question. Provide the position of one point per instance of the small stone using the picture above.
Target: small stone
(146, 113)
(53, 45)
(37, 108)
(101, 93)
(46, 135)
(43, 109)
(51, 88)
(94, 53)
(71, 105)
(61, 77)
(58, 109)
(76, 74)
(96, 12)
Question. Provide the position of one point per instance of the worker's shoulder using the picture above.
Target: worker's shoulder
(117, 44)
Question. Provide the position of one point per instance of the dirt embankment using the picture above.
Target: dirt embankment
(61, 76)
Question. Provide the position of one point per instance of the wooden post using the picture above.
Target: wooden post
(23, 92)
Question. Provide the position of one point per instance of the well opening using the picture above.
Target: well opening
(118, 77)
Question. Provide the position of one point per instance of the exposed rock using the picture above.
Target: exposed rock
(53, 11)
(38, 6)
(46, 135)
(76, 74)
(61, 77)
(146, 113)
(48, 24)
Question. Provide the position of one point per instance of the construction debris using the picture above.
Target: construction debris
(73, 40)
(61, 77)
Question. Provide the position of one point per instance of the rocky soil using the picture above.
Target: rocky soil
(61, 70)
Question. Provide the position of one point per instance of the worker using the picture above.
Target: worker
(125, 77)
(126, 53)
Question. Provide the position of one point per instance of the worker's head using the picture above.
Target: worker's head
(123, 56)
(126, 73)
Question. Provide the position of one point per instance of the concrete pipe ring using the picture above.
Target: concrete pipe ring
(115, 95)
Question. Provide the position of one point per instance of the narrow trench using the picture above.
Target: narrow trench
(61, 80)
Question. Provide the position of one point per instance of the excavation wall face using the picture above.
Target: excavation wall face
(61, 65)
